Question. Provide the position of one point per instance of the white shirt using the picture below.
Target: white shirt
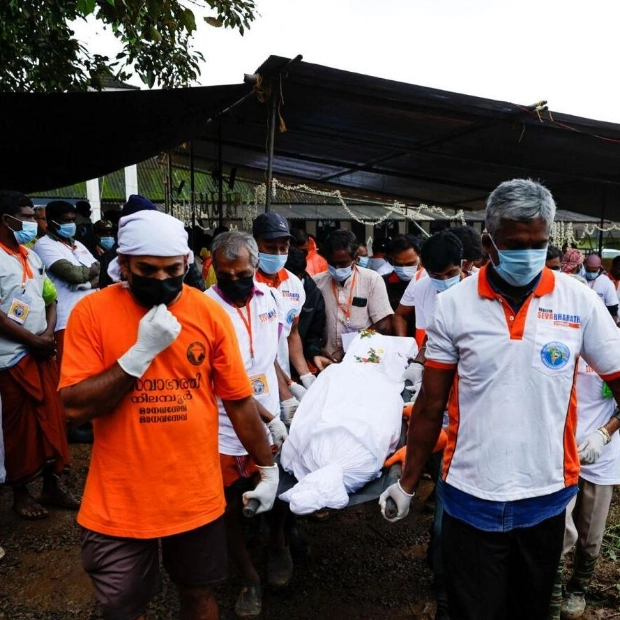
(293, 297)
(408, 298)
(385, 269)
(513, 414)
(51, 251)
(265, 323)
(15, 301)
(365, 305)
(593, 411)
(424, 294)
(605, 289)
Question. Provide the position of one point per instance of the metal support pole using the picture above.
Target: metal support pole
(168, 205)
(272, 139)
(602, 225)
(192, 190)
(220, 175)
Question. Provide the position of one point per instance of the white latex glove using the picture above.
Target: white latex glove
(266, 489)
(401, 497)
(298, 391)
(289, 407)
(278, 432)
(85, 286)
(157, 330)
(307, 380)
(591, 449)
(414, 373)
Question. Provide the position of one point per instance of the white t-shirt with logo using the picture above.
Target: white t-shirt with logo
(594, 410)
(51, 251)
(293, 298)
(513, 415)
(605, 289)
(23, 305)
(266, 325)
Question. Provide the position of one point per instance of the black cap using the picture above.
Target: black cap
(270, 226)
(137, 203)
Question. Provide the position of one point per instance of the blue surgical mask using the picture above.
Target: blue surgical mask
(107, 243)
(405, 273)
(591, 275)
(520, 267)
(66, 230)
(271, 263)
(27, 233)
(341, 274)
(444, 285)
(363, 261)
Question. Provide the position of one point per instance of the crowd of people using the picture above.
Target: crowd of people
(188, 372)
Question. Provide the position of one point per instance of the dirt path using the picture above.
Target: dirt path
(359, 567)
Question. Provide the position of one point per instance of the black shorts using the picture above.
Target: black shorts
(125, 571)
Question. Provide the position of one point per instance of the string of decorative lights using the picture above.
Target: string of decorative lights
(399, 208)
(588, 231)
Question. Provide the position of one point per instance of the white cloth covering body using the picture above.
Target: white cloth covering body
(347, 424)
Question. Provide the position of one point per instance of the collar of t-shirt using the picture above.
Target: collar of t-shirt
(218, 290)
(515, 304)
(70, 242)
(281, 276)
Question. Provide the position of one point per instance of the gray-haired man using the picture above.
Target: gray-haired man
(506, 342)
(256, 315)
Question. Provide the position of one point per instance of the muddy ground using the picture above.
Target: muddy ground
(359, 567)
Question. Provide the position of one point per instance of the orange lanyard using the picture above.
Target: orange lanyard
(248, 326)
(22, 256)
(346, 309)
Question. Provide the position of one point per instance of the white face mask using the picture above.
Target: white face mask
(341, 274)
(405, 273)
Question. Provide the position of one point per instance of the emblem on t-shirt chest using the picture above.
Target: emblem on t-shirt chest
(555, 355)
(196, 353)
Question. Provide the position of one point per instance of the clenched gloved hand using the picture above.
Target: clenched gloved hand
(414, 373)
(266, 489)
(278, 432)
(591, 449)
(400, 497)
(288, 408)
(157, 330)
(307, 380)
(298, 391)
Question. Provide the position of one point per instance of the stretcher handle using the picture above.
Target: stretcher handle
(394, 473)
(391, 509)
(249, 510)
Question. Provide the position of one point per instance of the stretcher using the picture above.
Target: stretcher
(368, 493)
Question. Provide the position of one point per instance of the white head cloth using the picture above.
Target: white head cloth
(149, 233)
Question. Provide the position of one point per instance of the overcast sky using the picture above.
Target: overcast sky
(518, 51)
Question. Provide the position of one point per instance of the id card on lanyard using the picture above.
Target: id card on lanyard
(346, 308)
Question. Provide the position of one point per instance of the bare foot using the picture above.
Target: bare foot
(26, 506)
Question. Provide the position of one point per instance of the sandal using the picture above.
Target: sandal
(249, 603)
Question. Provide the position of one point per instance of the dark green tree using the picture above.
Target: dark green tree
(39, 51)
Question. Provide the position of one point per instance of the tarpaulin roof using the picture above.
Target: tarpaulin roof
(378, 138)
(58, 139)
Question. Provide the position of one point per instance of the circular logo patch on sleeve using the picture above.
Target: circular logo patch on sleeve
(196, 353)
(555, 355)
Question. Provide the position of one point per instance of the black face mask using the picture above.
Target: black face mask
(237, 290)
(149, 292)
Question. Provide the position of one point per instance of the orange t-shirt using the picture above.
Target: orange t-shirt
(155, 466)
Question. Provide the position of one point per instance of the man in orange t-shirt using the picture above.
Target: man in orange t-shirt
(145, 359)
